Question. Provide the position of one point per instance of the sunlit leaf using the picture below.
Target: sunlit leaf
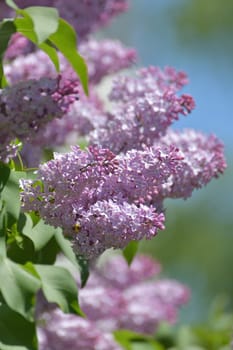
(45, 21)
(66, 41)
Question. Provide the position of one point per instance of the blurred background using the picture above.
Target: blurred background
(195, 36)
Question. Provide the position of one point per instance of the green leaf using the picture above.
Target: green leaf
(77, 260)
(66, 41)
(4, 175)
(130, 251)
(135, 341)
(25, 27)
(146, 346)
(7, 28)
(59, 286)
(3, 225)
(10, 196)
(84, 269)
(40, 234)
(16, 333)
(66, 249)
(51, 52)
(19, 287)
(45, 21)
(11, 4)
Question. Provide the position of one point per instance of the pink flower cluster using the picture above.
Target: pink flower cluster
(98, 199)
(147, 105)
(116, 297)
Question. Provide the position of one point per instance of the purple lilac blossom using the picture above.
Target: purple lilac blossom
(203, 159)
(118, 296)
(72, 332)
(27, 106)
(77, 196)
(82, 117)
(104, 201)
(143, 302)
(146, 106)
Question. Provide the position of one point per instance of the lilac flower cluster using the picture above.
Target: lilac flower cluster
(28, 105)
(102, 200)
(68, 331)
(147, 105)
(85, 193)
(116, 297)
(203, 159)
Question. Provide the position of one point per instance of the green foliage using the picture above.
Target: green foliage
(7, 28)
(19, 287)
(134, 341)
(16, 332)
(77, 260)
(65, 40)
(45, 21)
(130, 251)
(58, 287)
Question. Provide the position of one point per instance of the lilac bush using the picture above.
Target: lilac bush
(108, 194)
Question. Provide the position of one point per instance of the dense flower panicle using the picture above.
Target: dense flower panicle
(142, 174)
(27, 106)
(83, 116)
(109, 224)
(102, 200)
(121, 297)
(138, 315)
(69, 331)
(203, 159)
(78, 194)
(146, 108)
(145, 303)
(147, 80)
